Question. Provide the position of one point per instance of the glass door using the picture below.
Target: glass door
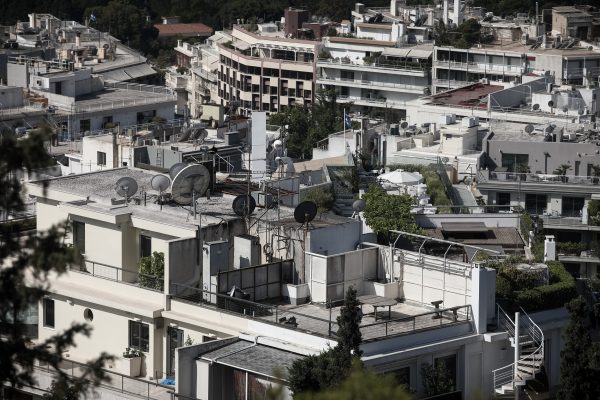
(174, 340)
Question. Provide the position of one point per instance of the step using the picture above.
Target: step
(529, 370)
(505, 389)
(531, 362)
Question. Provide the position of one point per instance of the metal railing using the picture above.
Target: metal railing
(118, 382)
(552, 179)
(371, 83)
(414, 323)
(384, 67)
(117, 274)
(475, 66)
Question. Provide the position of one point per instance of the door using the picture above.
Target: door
(174, 340)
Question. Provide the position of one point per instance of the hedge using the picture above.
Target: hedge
(560, 291)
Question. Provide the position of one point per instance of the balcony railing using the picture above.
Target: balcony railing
(369, 83)
(375, 102)
(550, 179)
(384, 67)
(117, 274)
(474, 66)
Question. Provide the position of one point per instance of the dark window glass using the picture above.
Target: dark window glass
(49, 313)
(145, 246)
(79, 236)
(139, 336)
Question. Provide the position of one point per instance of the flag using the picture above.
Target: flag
(92, 17)
(347, 121)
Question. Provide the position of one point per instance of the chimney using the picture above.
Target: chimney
(457, 14)
(115, 149)
(78, 39)
(549, 248)
(32, 20)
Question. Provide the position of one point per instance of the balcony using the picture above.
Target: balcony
(544, 183)
(116, 274)
(370, 102)
(559, 222)
(481, 67)
(367, 84)
(396, 69)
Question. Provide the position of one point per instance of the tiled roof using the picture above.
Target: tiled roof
(183, 29)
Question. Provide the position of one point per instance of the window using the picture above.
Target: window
(503, 199)
(449, 363)
(145, 246)
(572, 206)
(48, 313)
(84, 125)
(402, 376)
(139, 336)
(515, 162)
(535, 204)
(101, 158)
(79, 236)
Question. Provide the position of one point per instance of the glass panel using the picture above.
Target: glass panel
(49, 313)
(145, 246)
(449, 363)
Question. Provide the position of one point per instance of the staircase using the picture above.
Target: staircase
(530, 358)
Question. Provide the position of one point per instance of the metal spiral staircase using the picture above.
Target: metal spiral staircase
(528, 340)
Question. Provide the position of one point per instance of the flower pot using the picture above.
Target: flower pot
(130, 366)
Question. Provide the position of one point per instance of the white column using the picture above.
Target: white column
(517, 355)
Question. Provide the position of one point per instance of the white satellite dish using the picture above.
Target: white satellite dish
(160, 182)
(189, 183)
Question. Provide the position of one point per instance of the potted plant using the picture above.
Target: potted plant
(562, 171)
(131, 363)
(595, 173)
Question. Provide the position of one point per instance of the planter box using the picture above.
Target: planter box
(390, 290)
(130, 366)
(298, 294)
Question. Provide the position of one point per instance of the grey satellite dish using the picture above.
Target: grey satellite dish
(175, 168)
(200, 135)
(185, 134)
(305, 212)
(536, 107)
(126, 187)
(565, 109)
(160, 182)
(358, 205)
(550, 103)
(404, 125)
(529, 128)
(580, 111)
(243, 205)
(445, 160)
(191, 182)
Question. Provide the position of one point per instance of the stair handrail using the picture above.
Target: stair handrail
(504, 321)
(537, 335)
(504, 375)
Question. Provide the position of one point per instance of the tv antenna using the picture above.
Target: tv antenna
(126, 187)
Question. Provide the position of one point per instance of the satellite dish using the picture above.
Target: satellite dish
(126, 187)
(580, 112)
(160, 182)
(536, 107)
(175, 168)
(192, 181)
(200, 135)
(565, 109)
(243, 205)
(529, 128)
(445, 160)
(404, 125)
(305, 212)
(550, 103)
(358, 205)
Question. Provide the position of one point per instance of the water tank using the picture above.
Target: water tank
(538, 271)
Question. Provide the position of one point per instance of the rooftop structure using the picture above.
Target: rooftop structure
(193, 30)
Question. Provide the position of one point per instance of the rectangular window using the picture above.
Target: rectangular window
(535, 204)
(145, 246)
(515, 162)
(79, 236)
(49, 313)
(572, 206)
(449, 363)
(503, 199)
(101, 158)
(84, 125)
(139, 336)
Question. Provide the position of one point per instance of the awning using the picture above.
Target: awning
(464, 227)
(240, 45)
(396, 51)
(127, 73)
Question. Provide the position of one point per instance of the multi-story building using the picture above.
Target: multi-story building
(266, 72)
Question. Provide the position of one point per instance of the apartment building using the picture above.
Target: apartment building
(266, 72)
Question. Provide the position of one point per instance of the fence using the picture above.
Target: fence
(117, 381)
(260, 282)
(117, 274)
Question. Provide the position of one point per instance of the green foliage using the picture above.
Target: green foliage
(131, 353)
(571, 248)
(189, 341)
(60, 390)
(359, 385)
(322, 197)
(562, 169)
(464, 36)
(319, 372)
(435, 186)
(152, 271)
(384, 212)
(436, 379)
(594, 212)
(26, 264)
(518, 289)
(579, 371)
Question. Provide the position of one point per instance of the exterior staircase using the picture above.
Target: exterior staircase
(529, 340)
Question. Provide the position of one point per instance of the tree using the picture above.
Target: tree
(361, 384)
(152, 271)
(436, 379)
(323, 198)
(327, 369)
(384, 212)
(62, 391)
(349, 336)
(27, 263)
(578, 380)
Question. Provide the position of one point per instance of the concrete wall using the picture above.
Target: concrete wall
(493, 220)
(11, 97)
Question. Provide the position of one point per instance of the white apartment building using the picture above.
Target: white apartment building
(440, 310)
(266, 72)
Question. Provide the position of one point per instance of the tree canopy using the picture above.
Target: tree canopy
(27, 263)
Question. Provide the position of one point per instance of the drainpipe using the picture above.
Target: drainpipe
(115, 150)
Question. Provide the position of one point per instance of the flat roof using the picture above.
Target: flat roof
(251, 357)
(464, 227)
(466, 96)
(183, 29)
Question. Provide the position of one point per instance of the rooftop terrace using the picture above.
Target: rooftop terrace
(467, 96)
